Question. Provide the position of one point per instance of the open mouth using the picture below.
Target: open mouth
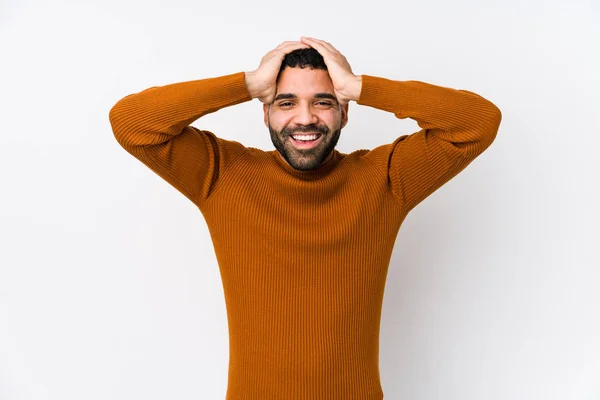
(306, 141)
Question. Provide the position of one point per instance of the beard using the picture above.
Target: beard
(305, 159)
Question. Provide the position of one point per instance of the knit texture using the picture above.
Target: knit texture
(303, 255)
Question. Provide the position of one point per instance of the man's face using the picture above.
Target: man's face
(305, 104)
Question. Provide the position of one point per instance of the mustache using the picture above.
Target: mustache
(308, 128)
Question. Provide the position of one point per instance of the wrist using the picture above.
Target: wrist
(355, 88)
(251, 84)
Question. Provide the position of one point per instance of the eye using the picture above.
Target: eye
(322, 103)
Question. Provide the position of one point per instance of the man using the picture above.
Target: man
(304, 234)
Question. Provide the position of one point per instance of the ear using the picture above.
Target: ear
(344, 115)
(266, 114)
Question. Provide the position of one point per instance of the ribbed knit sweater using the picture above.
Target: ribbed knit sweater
(303, 255)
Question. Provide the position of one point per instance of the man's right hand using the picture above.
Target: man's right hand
(261, 82)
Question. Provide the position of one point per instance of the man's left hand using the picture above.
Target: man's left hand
(347, 86)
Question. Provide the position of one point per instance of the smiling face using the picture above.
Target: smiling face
(305, 107)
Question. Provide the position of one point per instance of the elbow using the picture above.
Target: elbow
(490, 126)
(495, 116)
(494, 125)
(119, 118)
(114, 118)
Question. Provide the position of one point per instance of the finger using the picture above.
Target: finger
(291, 46)
(283, 44)
(317, 46)
(324, 44)
(288, 43)
(286, 49)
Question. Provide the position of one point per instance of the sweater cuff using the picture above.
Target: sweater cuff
(375, 92)
(228, 90)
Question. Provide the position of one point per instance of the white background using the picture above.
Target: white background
(109, 286)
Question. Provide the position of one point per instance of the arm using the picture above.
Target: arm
(154, 126)
(458, 125)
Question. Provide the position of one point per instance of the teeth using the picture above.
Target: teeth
(305, 137)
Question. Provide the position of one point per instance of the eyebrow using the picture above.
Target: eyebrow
(293, 96)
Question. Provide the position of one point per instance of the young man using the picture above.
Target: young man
(303, 234)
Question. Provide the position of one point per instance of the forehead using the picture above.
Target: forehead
(304, 82)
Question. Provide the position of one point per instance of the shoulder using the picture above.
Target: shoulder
(375, 156)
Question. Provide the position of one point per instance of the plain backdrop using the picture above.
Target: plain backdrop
(109, 286)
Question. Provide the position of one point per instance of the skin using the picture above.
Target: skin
(305, 112)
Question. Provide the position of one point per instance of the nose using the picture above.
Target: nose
(306, 115)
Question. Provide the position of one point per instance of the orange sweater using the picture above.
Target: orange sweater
(303, 255)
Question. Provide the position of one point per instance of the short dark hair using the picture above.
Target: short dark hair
(302, 58)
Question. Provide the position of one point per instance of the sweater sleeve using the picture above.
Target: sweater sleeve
(154, 126)
(457, 126)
